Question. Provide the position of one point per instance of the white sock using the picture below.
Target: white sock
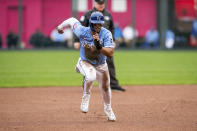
(107, 97)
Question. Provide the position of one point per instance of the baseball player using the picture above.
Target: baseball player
(96, 43)
(99, 5)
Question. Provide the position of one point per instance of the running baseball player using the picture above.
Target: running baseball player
(96, 43)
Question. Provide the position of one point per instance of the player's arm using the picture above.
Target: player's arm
(85, 22)
(75, 25)
(71, 21)
(107, 51)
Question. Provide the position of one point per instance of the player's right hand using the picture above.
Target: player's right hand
(60, 31)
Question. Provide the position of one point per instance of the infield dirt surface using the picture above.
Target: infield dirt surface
(140, 108)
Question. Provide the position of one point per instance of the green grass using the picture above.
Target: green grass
(56, 68)
(156, 67)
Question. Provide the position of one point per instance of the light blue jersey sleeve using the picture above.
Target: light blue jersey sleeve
(78, 29)
(107, 39)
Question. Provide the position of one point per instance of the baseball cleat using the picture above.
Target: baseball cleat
(110, 114)
(85, 103)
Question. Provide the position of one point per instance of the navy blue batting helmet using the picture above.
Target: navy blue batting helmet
(96, 18)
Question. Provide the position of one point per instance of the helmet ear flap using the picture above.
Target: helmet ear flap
(92, 28)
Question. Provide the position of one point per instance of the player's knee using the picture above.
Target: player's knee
(91, 78)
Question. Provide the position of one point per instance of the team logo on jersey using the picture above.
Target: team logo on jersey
(88, 40)
(101, 42)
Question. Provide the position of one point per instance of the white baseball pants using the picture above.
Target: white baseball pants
(92, 73)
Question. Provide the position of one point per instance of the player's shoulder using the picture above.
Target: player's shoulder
(105, 31)
(84, 30)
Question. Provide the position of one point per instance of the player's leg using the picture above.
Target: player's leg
(103, 81)
(104, 84)
(89, 73)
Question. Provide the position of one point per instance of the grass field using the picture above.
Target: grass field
(56, 68)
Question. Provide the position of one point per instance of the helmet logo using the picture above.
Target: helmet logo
(98, 18)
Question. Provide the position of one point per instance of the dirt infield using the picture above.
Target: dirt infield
(140, 108)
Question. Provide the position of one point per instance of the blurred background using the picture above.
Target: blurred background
(139, 24)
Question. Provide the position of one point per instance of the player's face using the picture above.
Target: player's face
(97, 27)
